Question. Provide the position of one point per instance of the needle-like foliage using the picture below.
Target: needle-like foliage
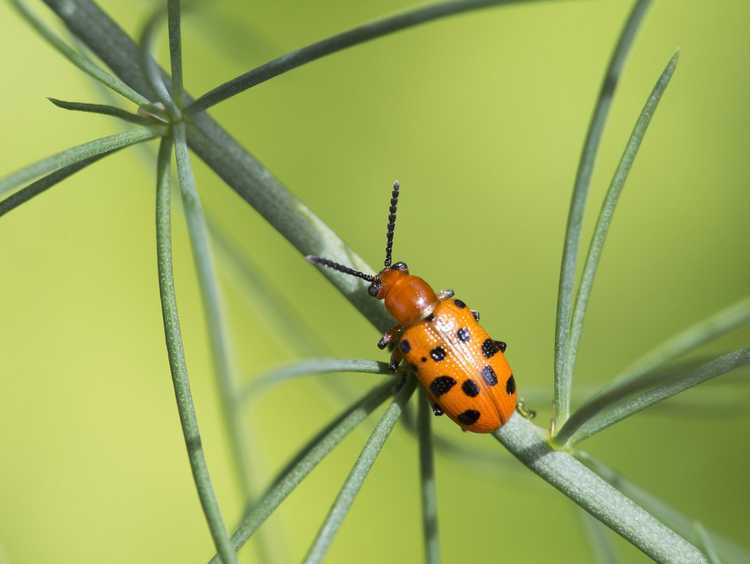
(659, 533)
(566, 289)
(359, 472)
(605, 219)
(626, 397)
(177, 363)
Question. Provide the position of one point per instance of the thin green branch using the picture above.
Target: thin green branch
(102, 109)
(77, 154)
(427, 481)
(685, 526)
(625, 398)
(355, 36)
(151, 70)
(306, 459)
(602, 548)
(45, 183)
(79, 60)
(600, 235)
(711, 402)
(578, 203)
(715, 326)
(203, 259)
(175, 47)
(359, 472)
(308, 367)
(707, 543)
(177, 364)
(211, 297)
(590, 492)
(458, 451)
(284, 321)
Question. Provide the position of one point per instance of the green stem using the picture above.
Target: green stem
(602, 548)
(627, 397)
(309, 367)
(338, 42)
(102, 109)
(731, 551)
(209, 288)
(688, 340)
(305, 461)
(340, 508)
(151, 70)
(601, 229)
(458, 450)
(427, 481)
(175, 48)
(79, 60)
(45, 183)
(177, 364)
(77, 154)
(563, 386)
(590, 492)
(708, 545)
(284, 321)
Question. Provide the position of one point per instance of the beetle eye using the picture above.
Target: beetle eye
(374, 288)
(401, 266)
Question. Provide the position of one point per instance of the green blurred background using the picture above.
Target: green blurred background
(481, 117)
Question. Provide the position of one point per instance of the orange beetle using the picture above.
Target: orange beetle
(462, 369)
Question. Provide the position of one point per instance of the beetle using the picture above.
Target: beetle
(462, 369)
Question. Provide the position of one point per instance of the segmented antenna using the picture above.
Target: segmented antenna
(340, 267)
(391, 224)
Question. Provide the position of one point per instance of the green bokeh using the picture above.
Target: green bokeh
(481, 117)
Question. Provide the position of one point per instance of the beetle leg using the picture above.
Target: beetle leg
(524, 410)
(501, 345)
(445, 294)
(389, 336)
(436, 409)
(475, 313)
(396, 357)
(399, 383)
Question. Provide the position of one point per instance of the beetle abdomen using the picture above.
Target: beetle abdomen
(461, 367)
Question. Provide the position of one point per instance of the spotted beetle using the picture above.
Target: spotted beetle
(462, 369)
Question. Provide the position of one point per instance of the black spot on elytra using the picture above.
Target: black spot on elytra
(441, 385)
(405, 346)
(423, 359)
(430, 317)
(475, 314)
(470, 388)
(459, 303)
(463, 334)
(489, 348)
(489, 376)
(510, 385)
(469, 417)
(437, 354)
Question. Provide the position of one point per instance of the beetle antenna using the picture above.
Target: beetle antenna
(340, 267)
(391, 224)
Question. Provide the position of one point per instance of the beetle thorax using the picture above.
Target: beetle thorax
(408, 298)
